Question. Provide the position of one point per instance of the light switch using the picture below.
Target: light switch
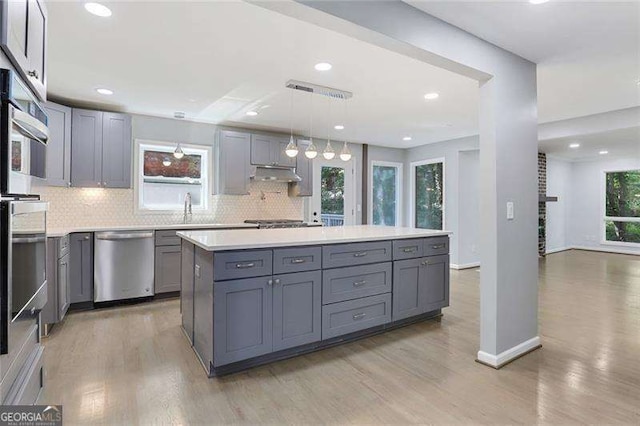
(510, 213)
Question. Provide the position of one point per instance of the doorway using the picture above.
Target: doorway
(333, 201)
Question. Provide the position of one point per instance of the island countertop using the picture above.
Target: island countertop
(289, 237)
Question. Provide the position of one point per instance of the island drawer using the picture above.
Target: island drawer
(167, 238)
(408, 249)
(355, 315)
(232, 265)
(436, 246)
(339, 255)
(353, 282)
(63, 247)
(298, 259)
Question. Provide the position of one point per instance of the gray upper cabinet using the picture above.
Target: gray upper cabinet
(23, 36)
(59, 145)
(100, 149)
(243, 318)
(116, 150)
(297, 307)
(269, 151)
(304, 169)
(81, 267)
(233, 164)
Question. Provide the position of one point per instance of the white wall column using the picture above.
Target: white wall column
(508, 152)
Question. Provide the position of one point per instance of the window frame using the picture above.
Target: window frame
(412, 189)
(138, 169)
(603, 211)
(399, 189)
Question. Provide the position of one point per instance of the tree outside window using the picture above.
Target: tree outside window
(429, 195)
(622, 212)
(384, 194)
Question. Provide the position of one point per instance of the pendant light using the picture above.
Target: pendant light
(178, 153)
(166, 162)
(292, 149)
(329, 152)
(312, 151)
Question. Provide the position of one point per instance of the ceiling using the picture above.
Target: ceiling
(217, 60)
(588, 52)
(621, 143)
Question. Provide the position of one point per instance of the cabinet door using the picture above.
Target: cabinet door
(167, 266)
(278, 155)
(407, 288)
(434, 283)
(36, 45)
(243, 319)
(116, 150)
(14, 31)
(59, 145)
(86, 148)
(297, 305)
(261, 150)
(186, 287)
(49, 314)
(233, 163)
(63, 286)
(304, 169)
(81, 267)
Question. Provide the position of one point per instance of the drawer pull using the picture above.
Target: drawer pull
(359, 283)
(269, 282)
(298, 260)
(437, 246)
(359, 316)
(361, 254)
(409, 249)
(245, 265)
(424, 262)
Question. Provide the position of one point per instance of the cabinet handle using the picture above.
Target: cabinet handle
(33, 73)
(409, 249)
(361, 254)
(276, 281)
(269, 282)
(245, 265)
(359, 283)
(298, 260)
(424, 262)
(359, 316)
(437, 246)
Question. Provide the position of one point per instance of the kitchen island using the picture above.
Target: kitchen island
(255, 296)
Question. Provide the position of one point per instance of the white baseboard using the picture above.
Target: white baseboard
(464, 266)
(497, 361)
(607, 250)
(558, 250)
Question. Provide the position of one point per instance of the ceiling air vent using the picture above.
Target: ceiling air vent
(319, 90)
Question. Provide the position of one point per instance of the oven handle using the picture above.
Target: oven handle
(30, 126)
(128, 236)
(24, 207)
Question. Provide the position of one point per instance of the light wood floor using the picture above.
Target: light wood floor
(132, 365)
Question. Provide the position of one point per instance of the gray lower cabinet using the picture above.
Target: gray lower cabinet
(64, 286)
(233, 168)
(187, 288)
(81, 267)
(58, 283)
(167, 269)
(297, 309)
(58, 145)
(355, 315)
(243, 319)
(420, 285)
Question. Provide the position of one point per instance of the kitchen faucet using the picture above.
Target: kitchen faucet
(188, 211)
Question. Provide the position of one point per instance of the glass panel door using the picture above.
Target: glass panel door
(385, 194)
(429, 195)
(332, 202)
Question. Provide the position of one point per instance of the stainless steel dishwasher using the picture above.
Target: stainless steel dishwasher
(123, 265)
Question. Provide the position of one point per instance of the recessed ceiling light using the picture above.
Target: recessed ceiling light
(338, 127)
(104, 91)
(323, 66)
(431, 96)
(574, 145)
(603, 152)
(98, 9)
(538, 1)
(252, 113)
(406, 138)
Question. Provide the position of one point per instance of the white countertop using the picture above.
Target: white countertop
(57, 232)
(264, 238)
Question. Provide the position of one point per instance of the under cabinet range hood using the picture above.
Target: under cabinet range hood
(275, 174)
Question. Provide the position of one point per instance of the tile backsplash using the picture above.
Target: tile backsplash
(87, 207)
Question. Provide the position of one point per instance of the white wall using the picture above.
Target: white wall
(469, 208)
(587, 203)
(559, 182)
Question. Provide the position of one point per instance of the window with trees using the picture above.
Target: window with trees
(385, 193)
(429, 194)
(622, 206)
(163, 180)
